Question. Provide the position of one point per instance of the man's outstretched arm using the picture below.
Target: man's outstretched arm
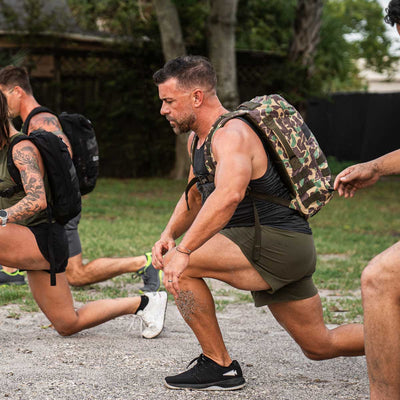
(366, 174)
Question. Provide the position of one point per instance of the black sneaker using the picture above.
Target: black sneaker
(12, 278)
(208, 375)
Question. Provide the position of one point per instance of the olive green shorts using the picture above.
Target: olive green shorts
(286, 263)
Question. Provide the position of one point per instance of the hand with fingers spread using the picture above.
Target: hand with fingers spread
(160, 248)
(356, 177)
(173, 269)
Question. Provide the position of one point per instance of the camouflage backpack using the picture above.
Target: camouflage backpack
(292, 148)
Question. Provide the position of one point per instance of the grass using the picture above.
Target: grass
(125, 217)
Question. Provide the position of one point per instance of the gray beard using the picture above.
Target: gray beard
(185, 126)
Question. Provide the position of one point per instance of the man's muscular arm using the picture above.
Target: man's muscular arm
(179, 222)
(234, 169)
(49, 123)
(366, 174)
(29, 163)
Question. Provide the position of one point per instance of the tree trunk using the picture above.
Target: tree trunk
(173, 46)
(307, 26)
(222, 49)
(306, 35)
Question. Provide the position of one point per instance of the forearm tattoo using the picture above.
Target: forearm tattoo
(27, 161)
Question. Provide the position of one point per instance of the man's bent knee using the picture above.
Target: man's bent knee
(317, 354)
(64, 329)
(75, 273)
(378, 278)
(319, 350)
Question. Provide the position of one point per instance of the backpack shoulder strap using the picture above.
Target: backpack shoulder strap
(34, 112)
(193, 148)
(219, 123)
(12, 169)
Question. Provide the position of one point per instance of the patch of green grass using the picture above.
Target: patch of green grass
(341, 310)
(337, 166)
(20, 295)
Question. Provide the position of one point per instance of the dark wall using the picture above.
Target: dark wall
(117, 94)
(356, 126)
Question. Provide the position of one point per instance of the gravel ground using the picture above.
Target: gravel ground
(112, 362)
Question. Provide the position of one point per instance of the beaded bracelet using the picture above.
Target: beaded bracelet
(183, 250)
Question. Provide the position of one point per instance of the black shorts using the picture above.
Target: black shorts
(74, 242)
(60, 243)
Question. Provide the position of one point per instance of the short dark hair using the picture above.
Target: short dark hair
(393, 13)
(4, 123)
(189, 71)
(15, 76)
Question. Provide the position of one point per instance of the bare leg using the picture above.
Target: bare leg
(303, 319)
(380, 286)
(57, 304)
(221, 259)
(101, 269)
(18, 247)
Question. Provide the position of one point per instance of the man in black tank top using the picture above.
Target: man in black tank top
(218, 234)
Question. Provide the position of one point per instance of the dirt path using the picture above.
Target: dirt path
(111, 362)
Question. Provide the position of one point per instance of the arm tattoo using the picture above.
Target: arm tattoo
(49, 123)
(26, 159)
(45, 121)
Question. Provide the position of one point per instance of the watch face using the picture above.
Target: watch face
(3, 213)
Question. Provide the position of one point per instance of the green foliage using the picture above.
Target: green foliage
(33, 20)
(129, 19)
(351, 29)
(265, 25)
(363, 19)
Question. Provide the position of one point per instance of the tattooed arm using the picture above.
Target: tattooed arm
(50, 123)
(30, 165)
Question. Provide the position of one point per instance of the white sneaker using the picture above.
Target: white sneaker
(153, 314)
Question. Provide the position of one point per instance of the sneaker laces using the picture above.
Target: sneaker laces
(137, 321)
(200, 361)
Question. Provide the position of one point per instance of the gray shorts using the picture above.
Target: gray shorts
(74, 242)
(287, 262)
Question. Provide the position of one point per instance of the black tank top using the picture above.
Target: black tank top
(271, 214)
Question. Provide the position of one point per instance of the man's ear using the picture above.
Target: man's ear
(19, 91)
(198, 96)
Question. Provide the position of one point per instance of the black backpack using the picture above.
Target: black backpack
(85, 151)
(63, 181)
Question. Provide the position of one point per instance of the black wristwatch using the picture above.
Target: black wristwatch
(3, 217)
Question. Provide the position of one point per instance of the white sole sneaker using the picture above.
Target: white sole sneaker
(153, 315)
